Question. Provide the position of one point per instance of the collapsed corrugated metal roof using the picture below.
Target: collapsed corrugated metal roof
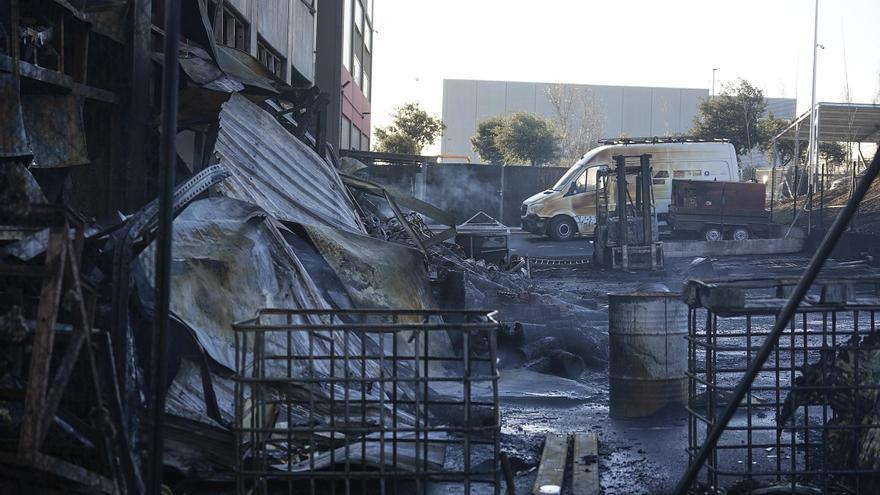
(276, 171)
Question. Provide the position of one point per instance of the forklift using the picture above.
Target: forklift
(627, 236)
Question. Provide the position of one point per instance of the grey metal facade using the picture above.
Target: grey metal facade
(285, 26)
(627, 110)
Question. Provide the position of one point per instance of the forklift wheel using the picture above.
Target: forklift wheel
(562, 229)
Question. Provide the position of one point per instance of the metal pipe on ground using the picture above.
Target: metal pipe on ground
(168, 154)
(782, 321)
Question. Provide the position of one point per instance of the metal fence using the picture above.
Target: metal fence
(366, 401)
(811, 420)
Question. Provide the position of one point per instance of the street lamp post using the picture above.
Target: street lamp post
(713, 81)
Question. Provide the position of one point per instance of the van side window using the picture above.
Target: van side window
(581, 183)
(586, 182)
(660, 177)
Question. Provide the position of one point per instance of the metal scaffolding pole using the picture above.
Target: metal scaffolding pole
(813, 121)
(168, 157)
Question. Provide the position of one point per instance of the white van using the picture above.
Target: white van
(569, 207)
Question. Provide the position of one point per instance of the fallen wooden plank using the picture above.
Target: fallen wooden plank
(585, 468)
(551, 471)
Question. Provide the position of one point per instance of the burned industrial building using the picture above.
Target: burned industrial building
(210, 284)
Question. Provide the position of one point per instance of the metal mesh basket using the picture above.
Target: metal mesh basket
(366, 401)
(812, 415)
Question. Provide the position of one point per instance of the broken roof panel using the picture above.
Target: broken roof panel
(276, 171)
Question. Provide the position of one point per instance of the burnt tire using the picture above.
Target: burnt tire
(562, 229)
(713, 234)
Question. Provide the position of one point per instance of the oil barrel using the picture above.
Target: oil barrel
(647, 356)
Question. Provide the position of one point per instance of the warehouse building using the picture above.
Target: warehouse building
(622, 110)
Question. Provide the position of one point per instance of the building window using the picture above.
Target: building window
(368, 37)
(271, 59)
(355, 138)
(365, 142)
(233, 30)
(345, 134)
(346, 34)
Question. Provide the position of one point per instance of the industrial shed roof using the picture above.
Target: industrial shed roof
(854, 122)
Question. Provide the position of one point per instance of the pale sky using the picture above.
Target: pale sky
(672, 43)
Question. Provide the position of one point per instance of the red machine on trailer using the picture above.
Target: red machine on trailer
(719, 210)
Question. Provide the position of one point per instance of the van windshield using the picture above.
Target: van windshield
(576, 169)
(577, 173)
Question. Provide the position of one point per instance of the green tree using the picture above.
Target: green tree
(483, 142)
(527, 138)
(733, 115)
(412, 129)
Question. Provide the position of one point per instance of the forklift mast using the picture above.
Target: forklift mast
(615, 239)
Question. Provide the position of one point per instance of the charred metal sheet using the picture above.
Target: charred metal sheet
(54, 125)
(377, 274)
(276, 171)
(247, 69)
(239, 65)
(199, 67)
(229, 262)
(13, 137)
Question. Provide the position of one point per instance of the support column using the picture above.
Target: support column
(328, 64)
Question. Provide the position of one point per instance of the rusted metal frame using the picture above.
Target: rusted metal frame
(81, 335)
(258, 469)
(49, 76)
(44, 336)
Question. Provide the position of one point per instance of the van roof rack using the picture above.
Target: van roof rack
(659, 139)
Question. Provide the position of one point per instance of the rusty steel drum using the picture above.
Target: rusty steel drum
(647, 352)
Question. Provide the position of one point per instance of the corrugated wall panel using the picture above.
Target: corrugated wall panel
(273, 21)
(302, 40)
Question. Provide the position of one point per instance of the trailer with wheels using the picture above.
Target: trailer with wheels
(717, 211)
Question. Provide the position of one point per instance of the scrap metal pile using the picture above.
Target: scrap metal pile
(266, 222)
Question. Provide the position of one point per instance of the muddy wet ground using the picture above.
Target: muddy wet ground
(643, 456)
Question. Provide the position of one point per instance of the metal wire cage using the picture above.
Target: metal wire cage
(366, 401)
(811, 419)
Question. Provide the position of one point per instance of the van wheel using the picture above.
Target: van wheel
(562, 229)
(740, 234)
(713, 234)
